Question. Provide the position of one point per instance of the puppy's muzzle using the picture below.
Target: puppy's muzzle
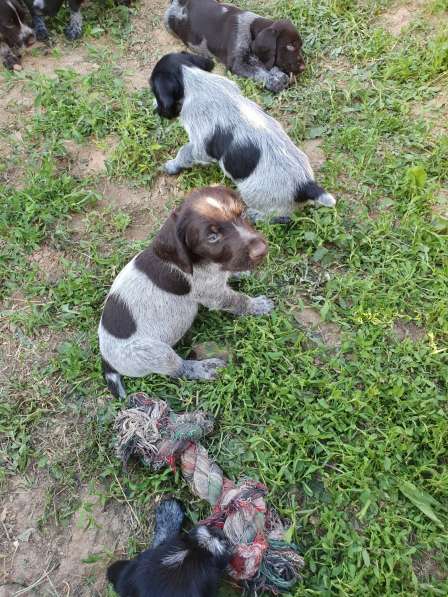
(257, 251)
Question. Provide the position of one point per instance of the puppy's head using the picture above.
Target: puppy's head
(47, 8)
(278, 44)
(167, 83)
(209, 227)
(13, 28)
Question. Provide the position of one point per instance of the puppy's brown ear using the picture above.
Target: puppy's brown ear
(170, 246)
(264, 45)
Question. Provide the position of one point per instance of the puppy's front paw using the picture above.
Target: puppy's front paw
(171, 167)
(326, 200)
(207, 369)
(73, 32)
(10, 61)
(40, 30)
(261, 305)
(277, 80)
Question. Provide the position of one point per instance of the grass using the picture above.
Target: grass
(351, 441)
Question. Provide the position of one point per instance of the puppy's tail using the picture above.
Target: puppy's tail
(311, 191)
(114, 380)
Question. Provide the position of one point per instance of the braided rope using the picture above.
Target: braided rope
(151, 431)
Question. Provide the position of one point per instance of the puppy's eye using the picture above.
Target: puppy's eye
(290, 47)
(213, 237)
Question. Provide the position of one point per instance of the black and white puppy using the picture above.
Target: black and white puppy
(249, 45)
(178, 564)
(252, 148)
(15, 34)
(155, 298)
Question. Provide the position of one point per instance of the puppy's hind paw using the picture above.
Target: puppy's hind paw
(207, 369)
(170, 167)
(260, 305)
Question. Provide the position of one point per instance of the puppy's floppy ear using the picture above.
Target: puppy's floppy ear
(170, 245)
(201, 62)
(264, 46)
(115, 570)
(168, 91)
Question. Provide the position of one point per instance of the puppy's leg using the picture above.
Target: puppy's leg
(74, 27)
(169, 518)
(40, 29)
(275, 80)
(9, 59)
(114, 380)
(238, 303)
(140, 358)
(187, 156)
(313, 192)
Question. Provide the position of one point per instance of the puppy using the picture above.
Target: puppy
(155, 298)
(50, 8)
(249, 45)
(223, 126)
(14, 32)
(178, 564)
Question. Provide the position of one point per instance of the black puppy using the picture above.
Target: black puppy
(178, 564)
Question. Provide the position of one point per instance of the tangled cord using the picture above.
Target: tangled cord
(262, 560)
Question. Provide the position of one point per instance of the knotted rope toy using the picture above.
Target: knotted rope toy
(262, 560)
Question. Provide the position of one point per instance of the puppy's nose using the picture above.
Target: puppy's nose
(258, 249)
(30, 39)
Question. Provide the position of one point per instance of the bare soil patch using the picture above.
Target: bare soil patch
(49, 262)
(70, 561)
(149, 41)
(426, 567)
(326, 332)
(90, 158)
(146, 207)
(314, 151)
(403, 330)
(46, 61)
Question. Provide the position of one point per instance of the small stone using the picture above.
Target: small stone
(17, 67)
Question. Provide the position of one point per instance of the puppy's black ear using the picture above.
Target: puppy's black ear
(170, 245)
(202, 62)
(115, 571)
(169, 92)
(264, 46)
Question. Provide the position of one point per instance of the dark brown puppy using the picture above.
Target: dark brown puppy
(249, 45)
(14, 32)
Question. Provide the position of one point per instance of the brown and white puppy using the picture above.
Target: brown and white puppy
(14, 32)
(155, 298)
(249, 45)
